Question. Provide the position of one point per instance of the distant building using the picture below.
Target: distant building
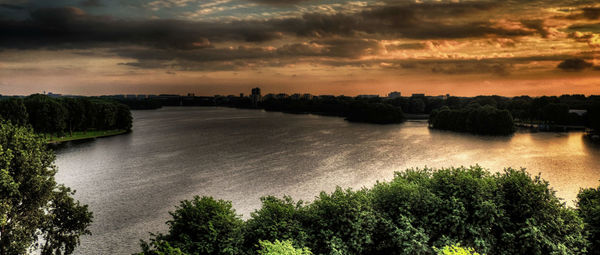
(241, 95)
(394, 94)
(255, 96)
(367, 96)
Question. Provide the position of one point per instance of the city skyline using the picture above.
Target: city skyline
(465, 48)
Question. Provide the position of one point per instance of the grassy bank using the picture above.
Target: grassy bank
(83, 135)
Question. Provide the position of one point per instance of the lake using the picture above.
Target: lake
(131, 181)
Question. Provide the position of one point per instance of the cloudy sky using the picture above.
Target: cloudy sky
(208, 47)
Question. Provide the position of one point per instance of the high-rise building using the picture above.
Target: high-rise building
(255, 96)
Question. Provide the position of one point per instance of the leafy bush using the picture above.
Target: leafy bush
(203, 226)
(277, 219)
(281, 248)
(589, 210)
(456, 250)
(160, 248)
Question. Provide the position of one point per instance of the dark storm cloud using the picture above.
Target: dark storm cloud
(406, 46)
(327, 52)
(537, 25)
(279, 2)
(416, 21)
(70, 27)
(591, 13)
(334, 48)
(91, 3)
(338, 48)
(574, 64)
(586, 27)
(12, 7)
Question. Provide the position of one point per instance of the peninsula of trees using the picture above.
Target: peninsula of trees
(56, 117)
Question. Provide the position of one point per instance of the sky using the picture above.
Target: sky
(210, 47)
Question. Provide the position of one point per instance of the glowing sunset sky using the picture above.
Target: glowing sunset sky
(209, 47)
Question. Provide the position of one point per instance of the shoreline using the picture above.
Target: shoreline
(78, 136)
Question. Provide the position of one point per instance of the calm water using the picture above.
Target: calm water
(131, 181)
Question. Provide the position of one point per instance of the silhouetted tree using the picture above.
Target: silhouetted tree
(13, 110)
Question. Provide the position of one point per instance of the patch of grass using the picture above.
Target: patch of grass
(80, 135)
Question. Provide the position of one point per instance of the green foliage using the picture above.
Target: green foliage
(456, 250)
(476, 119)
(159, 248)
(504, 213)
(588, 202)
(342, 222)
(66, 220)
(48, 115)
(534, 221)
(204, 226)
(13, 110)
(277, 219)
(75, 114)
(281, 248)
(32, 205)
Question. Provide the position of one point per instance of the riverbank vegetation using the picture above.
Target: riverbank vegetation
(80, 135)
(421, 211)
(58, 118)
(36, 213)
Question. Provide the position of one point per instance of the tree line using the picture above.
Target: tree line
(353, 109)
(551, 110)
(477, 119)
(545, 109)
(420, 211)
(58, 116)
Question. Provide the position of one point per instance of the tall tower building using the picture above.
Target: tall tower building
(255, 96)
